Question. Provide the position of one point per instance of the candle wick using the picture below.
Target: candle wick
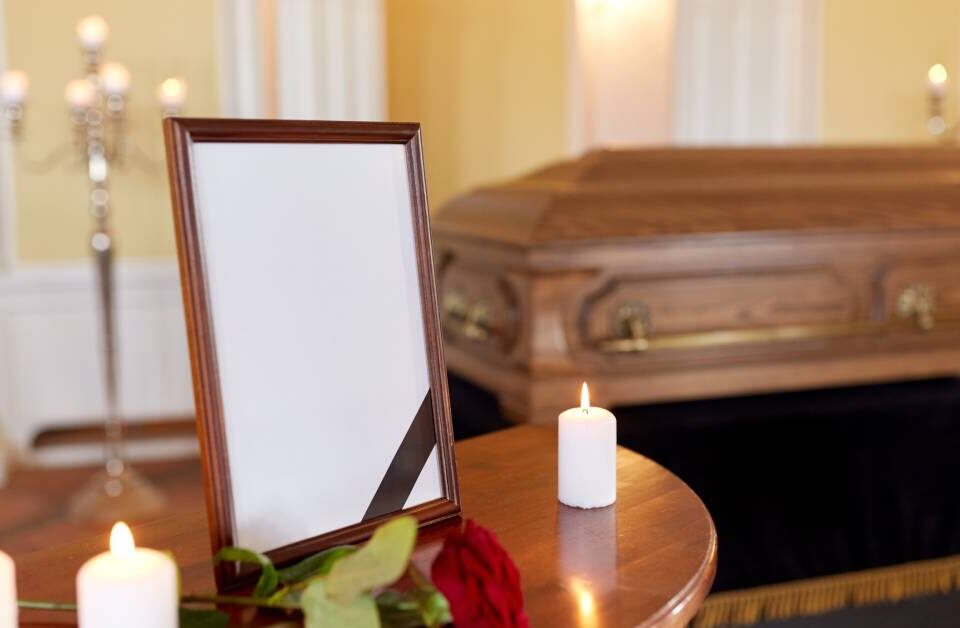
(586, 410)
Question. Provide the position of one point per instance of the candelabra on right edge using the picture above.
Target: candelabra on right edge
(938, 83)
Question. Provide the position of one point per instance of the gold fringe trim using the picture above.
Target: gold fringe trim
(820, 595)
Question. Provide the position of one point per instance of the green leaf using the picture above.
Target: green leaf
(323, 611)
(398, 610)
(380, 562)
(434, 608)
(421, 606)
(194, 618)
(316, 565)
(284, 597)
(269, 579)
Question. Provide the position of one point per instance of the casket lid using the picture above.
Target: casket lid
(646, 193)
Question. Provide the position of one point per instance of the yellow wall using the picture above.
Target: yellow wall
(486, 79)
(875, 59)
(154, 40)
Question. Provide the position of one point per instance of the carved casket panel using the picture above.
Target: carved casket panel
(674, 274)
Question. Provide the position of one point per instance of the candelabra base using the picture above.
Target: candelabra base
(107, 498)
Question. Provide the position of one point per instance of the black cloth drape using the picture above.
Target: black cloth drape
(802, 484)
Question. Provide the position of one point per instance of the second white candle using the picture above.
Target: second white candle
(587, 456)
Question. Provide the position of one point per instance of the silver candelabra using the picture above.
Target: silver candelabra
(97, 105)
(938, 84)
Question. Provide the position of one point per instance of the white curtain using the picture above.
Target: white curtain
(305, 59)
(747, 71)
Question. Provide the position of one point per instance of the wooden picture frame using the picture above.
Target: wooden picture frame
(200, 156)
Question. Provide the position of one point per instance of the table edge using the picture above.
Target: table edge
(683, 607)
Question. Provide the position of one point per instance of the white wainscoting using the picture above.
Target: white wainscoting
(50, 359)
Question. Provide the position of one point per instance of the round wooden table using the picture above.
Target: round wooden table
(648, 560)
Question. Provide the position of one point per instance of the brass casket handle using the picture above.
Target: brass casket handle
(470, 320)
(918, 301)
(631, 326)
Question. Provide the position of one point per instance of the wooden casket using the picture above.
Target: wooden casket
(674, 274)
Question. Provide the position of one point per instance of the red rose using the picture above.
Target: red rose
(479, 580)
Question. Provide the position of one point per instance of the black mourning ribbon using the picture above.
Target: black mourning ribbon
(407, 463)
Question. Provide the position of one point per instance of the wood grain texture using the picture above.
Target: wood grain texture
(180, 135)
(709, 191)
(705, 241)
(648, 560)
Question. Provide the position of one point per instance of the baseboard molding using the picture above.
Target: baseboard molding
(86, 455)
(51, 371)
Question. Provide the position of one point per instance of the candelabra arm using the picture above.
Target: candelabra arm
(140, 158)
(46, 164)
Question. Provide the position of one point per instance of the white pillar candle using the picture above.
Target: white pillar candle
(587, 458)
(8, 591)
(128, 586)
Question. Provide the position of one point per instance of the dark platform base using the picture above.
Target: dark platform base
(802, 484)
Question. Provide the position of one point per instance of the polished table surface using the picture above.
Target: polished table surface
(648, 560)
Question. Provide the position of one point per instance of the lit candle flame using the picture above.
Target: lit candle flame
(937, 74)
(121, 541)
(584, 397)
